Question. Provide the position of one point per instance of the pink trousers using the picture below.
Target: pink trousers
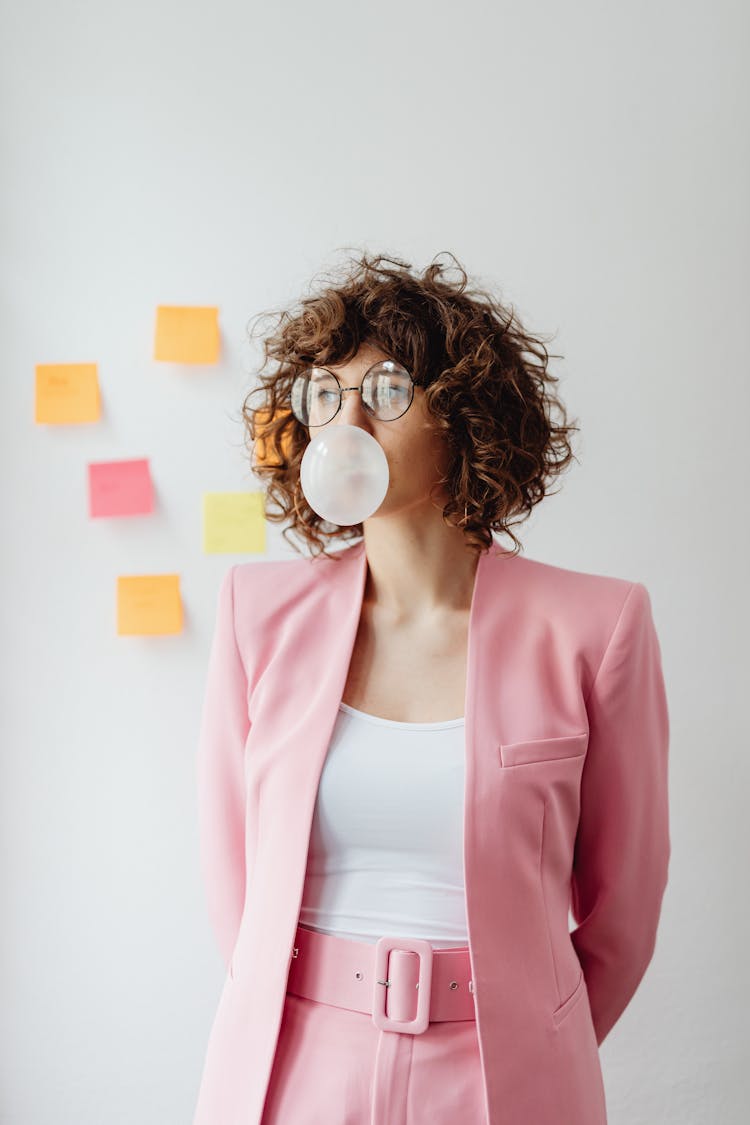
(334, 1066)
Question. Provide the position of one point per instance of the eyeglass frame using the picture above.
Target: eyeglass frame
(319, 367)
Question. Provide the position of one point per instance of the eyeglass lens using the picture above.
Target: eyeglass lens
(387, 391)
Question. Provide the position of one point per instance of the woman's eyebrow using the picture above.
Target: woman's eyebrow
(316, 367)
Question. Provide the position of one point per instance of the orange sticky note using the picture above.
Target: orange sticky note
(266, 450)
(120, 488)
(66, 393)
(187, 334)
(148, 604)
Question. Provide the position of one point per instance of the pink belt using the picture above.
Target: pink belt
(403, 983)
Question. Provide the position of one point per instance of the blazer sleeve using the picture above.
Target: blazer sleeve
(622, 848)
(220, 775)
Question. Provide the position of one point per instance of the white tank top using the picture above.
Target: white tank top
(386, 842)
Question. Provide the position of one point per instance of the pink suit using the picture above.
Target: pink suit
(565, 805)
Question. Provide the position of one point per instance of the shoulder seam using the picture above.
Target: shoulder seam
(608, 645)
(232, 570)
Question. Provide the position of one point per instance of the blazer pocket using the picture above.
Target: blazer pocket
(567, 1006)
(543, 749)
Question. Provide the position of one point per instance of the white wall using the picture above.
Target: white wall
(590, 162)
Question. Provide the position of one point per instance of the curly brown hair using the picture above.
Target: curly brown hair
(485, 379)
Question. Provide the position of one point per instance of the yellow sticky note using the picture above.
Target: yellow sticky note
(148, 604)
(66, 393)
(187, 334)
(234, 523)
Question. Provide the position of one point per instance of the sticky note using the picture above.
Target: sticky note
(234, 523)
(187, 334)
(66, 393)
(148, 604)
(120, 488)
(270, 451)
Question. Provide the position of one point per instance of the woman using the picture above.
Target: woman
(419, 752)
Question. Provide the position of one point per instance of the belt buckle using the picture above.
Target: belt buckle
(383, 947)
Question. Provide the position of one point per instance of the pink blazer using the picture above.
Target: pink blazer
(565, 806)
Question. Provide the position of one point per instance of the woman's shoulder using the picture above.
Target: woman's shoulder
(577, 599)
(541, 571)
(269, 584)
(291, 568)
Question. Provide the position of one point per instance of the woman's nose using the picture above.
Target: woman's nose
(352, 411)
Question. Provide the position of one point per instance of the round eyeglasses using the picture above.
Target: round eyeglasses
(387, 391)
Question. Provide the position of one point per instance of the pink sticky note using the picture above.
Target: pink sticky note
(120, 488)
